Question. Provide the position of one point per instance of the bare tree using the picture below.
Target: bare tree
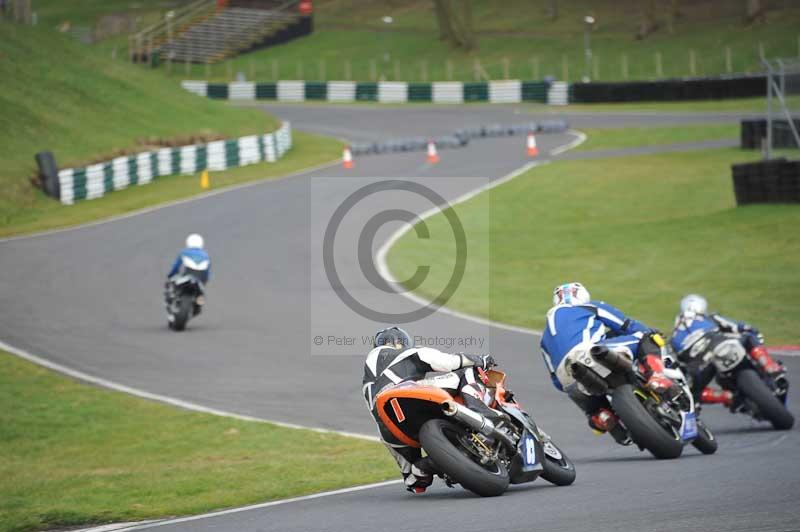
(455, 23)
(553, 9)
(755, 11)
(648, 20)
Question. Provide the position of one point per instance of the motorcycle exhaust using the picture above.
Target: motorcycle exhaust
(477, 422)
(610, 359)
(590, 380)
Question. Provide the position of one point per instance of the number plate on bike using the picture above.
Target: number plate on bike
(689, 427)
(529, 451)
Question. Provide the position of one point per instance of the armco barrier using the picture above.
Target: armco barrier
(507, 91)
(670, 90)
(754, 131)
(99, 179)
(773, 181)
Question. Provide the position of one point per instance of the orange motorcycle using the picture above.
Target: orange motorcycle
(463, 446)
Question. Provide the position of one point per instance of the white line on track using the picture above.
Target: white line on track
(153, 524)
(187, 405)
(383, 267)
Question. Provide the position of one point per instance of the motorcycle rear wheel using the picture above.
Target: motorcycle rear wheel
(750, 384)
(439, 438)
(644, 429)
(184, 311)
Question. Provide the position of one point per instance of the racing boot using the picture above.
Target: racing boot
(712, 396)
(604, 420)
(652, 368)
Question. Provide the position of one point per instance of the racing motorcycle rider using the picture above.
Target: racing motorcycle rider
(393, 360)
(195, 253)
(694, 317)
(576, 322)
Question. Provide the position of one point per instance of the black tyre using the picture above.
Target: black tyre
(754, 388)
(440, 439)
(558, 469)
(184, 311)
(644, 429)
(705, 442)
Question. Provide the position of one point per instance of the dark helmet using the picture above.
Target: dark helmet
(392, 336)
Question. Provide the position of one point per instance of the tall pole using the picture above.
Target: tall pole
(587, 46)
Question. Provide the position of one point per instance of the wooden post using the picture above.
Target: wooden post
(275, 70)
(252, 68)
(761, 50)
(476, 69)
(321, 69)
(659, 67)
(565, 67)
(692, 63)
(208, 69)
(506, 68)
(595, 67)
(299, 69)
(535, 67)
(424, 71)
(624, 61)
(728, 60)
(397, 75)
(114, 53)
(348, 70)
(449, 70)
(373, 70)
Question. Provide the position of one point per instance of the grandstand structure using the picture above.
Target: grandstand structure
(208, 31)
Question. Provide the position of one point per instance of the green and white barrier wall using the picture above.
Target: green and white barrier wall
(99, 179)
(508, 91)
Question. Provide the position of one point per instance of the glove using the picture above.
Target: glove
(418, 480)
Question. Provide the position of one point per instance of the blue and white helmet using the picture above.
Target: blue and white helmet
(571, 294)
(694, 304)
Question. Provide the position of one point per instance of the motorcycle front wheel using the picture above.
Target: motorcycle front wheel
(643, 427)
(705, 442)
(447, 445)
(557, 468)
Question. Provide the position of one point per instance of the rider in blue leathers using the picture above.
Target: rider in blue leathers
(196, 254)
(577, 323)
(693, 320)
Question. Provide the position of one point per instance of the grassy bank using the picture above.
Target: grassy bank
(640, 232)
(629, 137)
(72, 454)
(72, 100)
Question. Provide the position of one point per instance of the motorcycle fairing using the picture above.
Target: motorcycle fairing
(404, 408)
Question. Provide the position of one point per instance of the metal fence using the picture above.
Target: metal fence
(783, 104)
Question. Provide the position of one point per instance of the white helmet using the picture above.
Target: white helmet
(694, 304)
(571, 294)
(194, 241)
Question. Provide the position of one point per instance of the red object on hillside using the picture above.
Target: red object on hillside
(222, 4)
(306, 7)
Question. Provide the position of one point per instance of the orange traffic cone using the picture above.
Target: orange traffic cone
(347, 158)
(533, 151)
(433, 157)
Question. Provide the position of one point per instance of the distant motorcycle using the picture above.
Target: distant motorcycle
(755, 392)
(463, 446)
(660, 424)
(184, 294)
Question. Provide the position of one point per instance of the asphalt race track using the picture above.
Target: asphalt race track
(90, 299)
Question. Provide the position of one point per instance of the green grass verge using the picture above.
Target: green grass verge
(308, 150)
(616, 138)
(640, 232)
(520, 32)
(72, 454)
(61, 96)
